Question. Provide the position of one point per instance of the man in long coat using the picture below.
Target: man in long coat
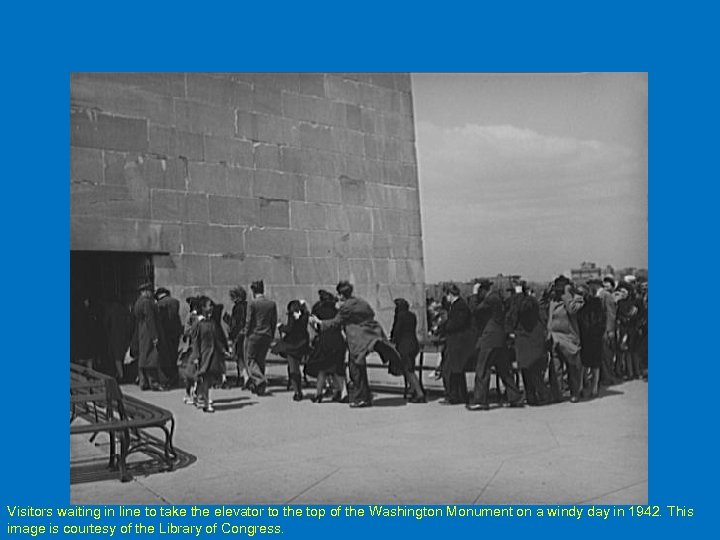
(364, 335)
(459, 347)
(172, 329)
(147, 338)
(492, 351)
(607, 367)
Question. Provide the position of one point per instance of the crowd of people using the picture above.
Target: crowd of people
(572, 339)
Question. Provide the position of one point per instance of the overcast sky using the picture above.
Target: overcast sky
(531, 173)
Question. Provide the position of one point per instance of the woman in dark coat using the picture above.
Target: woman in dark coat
(404, 336)
(591, 321)
(146, 340)
(209, 353)
(294, 344)
(328, 351)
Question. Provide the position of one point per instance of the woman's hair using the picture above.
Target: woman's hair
(452, 289)
(326, 296)
(344, 288)
(401, 304)
(238, 293)
(294, 305)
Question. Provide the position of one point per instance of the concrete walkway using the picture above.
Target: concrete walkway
(273, 450)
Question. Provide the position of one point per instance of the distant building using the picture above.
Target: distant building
(587, 270)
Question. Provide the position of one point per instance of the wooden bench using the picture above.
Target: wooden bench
(96, 398)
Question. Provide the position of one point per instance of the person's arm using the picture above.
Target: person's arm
(195, 340)
(343, 315)
(250, 319)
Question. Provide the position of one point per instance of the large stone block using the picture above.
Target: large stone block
(321, 189)
(96, 130)
(246, 125)
(267, 100)
(359, 219)
(93, 93)
(353, 191)
(212, 239)
(103, 233)
(353, 117)
(267, 156)
(273, 213)
(275, 185)
(361, 271)
(329, 244)
(381, 270)
(204, 118)
(308, 216)
(226, 270)
(276, 242)
(339, 88)
(273, 270)
(314, 271)
(317, 136)
(208, 178)
(197, 208)
(168, 205)
(86, 165)
(169, 84)
(162, 173)
(229, 150)
(381, 246)
(170, 142)
(361, 245)
(239, 181)
(233, 210)
(337, 218)
(276, 129)
(219, 90)
(314, 110)
(312, 84)
(386, 80)
(182, 270)
(109, 201)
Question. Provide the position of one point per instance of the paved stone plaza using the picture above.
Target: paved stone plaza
(272, 450)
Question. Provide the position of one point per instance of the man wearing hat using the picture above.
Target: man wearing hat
(171, 330)
(147, 338)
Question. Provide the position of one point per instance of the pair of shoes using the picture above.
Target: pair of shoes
(297, 396)
(209, 409)
(477, 407)
(516, 404)
(360, 404)
(317, 398)
(418, 399)
(145, 387)
(574, 399)
(337, 398)
(259, 390)
(188, 400)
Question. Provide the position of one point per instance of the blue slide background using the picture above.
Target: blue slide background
(676, 44)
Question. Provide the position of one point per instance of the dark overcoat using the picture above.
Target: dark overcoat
(591, 321)
(404, 336)
(208, 345)
(328, 352)
(147, 329)
(459, 334)
(529, 329)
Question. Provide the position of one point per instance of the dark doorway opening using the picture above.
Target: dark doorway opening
(103, 288)
(106, 275)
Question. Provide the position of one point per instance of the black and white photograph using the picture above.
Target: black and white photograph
(355, 288)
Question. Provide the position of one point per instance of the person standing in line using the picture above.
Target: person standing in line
(147, 338)
(259, 332)
(528, 327)
(118, 328)
(172, 329)
(492, 351)
(294, 344)
(328, 352)
(592, 324)
(459, 347)
(188, 368)
(564, 332)
(364, 335)
(628, 318)
(404, 336)
(209, 354)
(236, 331)
(607, 366)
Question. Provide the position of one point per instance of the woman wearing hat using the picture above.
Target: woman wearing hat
(294, 344)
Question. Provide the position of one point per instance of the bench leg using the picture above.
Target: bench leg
(113, 456)
(125, 476)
